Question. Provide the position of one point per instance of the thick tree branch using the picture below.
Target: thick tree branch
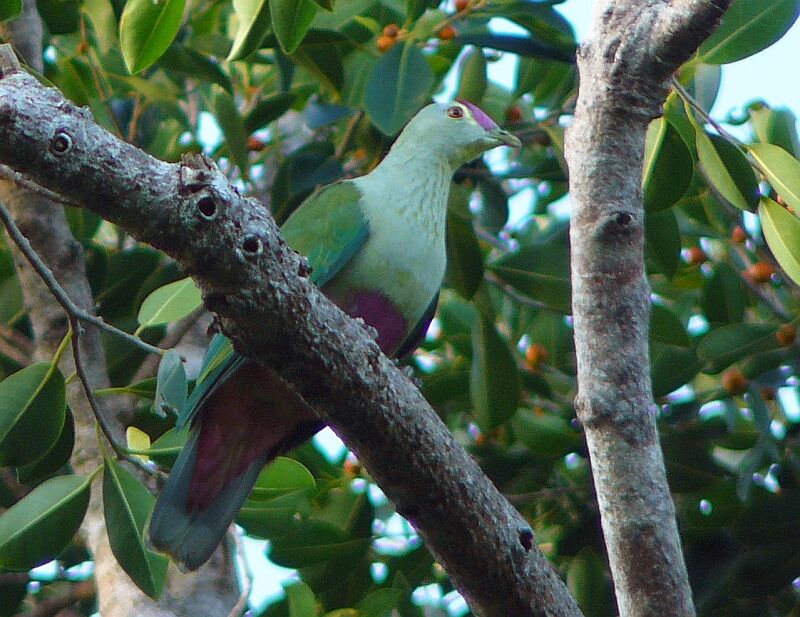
(625, 67)
(260, 290)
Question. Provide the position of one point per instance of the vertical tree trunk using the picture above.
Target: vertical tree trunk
(625, 66)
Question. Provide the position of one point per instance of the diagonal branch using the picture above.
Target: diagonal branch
(260, 290)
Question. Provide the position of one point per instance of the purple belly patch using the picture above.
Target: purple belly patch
(378, 311)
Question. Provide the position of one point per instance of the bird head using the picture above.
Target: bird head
(460, 130)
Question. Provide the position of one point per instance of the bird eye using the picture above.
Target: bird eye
(455, 112)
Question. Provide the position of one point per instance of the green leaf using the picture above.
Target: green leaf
(782, 232)
(665, 327)
(727, 170)
(126, 505)
(472, 80)
(494, 379)
(32, 409)
(663, 246)
(464, 257)
(282, 477)
(782, 171)
(187, 61)
(55, 458)
(545, 434)
(399, 85)
(267, 110)
(60, 16)
(172, 386)
(588, 582)
(722, 347)
(314, 542)
(723, 299)
(775, 126)
(549, 82)
(540, 271)
(9, 9)
(380, 603)
(291, 19)
(671, 367)
(748, 26)
(171, 302)
(146, 29)
(253, 17)
(302, 601)
(668, 166)
(41, 525)
(232, 125)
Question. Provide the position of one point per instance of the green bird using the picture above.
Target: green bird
(377, 248)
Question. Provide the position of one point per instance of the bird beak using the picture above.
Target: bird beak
(504, 137)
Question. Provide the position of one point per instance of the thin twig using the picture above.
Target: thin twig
(247, 574)
(684, 94)
(99, 416)
(58, 292)
(348, 135)
(17, 178)
(514, 294)
(173, 338)
(78, 592)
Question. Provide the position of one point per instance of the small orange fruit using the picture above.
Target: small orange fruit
(385, 43)
(738, 235)
(786, 334)
(391, 31)
(696, 256)
(447, 32)
(462, 5)
(513, 114)
(535, 356)
(768, 393)
(760, 272)
(734, 382)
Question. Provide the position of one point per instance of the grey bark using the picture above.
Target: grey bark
(260, 290)
(44, 224)
(625, 66)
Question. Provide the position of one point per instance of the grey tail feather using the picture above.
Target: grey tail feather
(191, 537)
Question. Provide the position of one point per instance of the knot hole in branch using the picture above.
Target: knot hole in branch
(252, 245)
(207, 207)
(61, 143)
(617, 226)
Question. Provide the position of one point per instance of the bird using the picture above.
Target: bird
(376, 246)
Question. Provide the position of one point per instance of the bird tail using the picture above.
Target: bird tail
(190, 534)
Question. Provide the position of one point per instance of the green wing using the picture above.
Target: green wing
(328, 228)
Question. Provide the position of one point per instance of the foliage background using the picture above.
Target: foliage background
(303, 96)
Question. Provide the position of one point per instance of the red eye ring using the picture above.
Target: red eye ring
(455, 112)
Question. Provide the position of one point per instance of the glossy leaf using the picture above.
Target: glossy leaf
(55, 458)
(267, 110)
(380, 603)
(171, 389)
(541, 271)
(472, 79)
(548, 81)
(776, 126)
(232, 125)
(254, 22)
(41, 525)
(281, 477)
(671, 366)
(126, 505)
(9, 9)
(146, 29)
(665, 327)
(727, 170)
(399, 85)
(302, 601)
(722, 347)
(494, 378)
(667, 168)
(545, 434)
(190, 62)
(32, 409)
(464, 257)
(291, 19)
(748, 27)
(723, 299)
(663, 246)
(588, 582)
(60, 16)
(521, 45)
(782, 171)
(782, 232)
(315, 542)
(171, 302)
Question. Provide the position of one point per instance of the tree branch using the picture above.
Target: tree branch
(624, 77)
(260, 290)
